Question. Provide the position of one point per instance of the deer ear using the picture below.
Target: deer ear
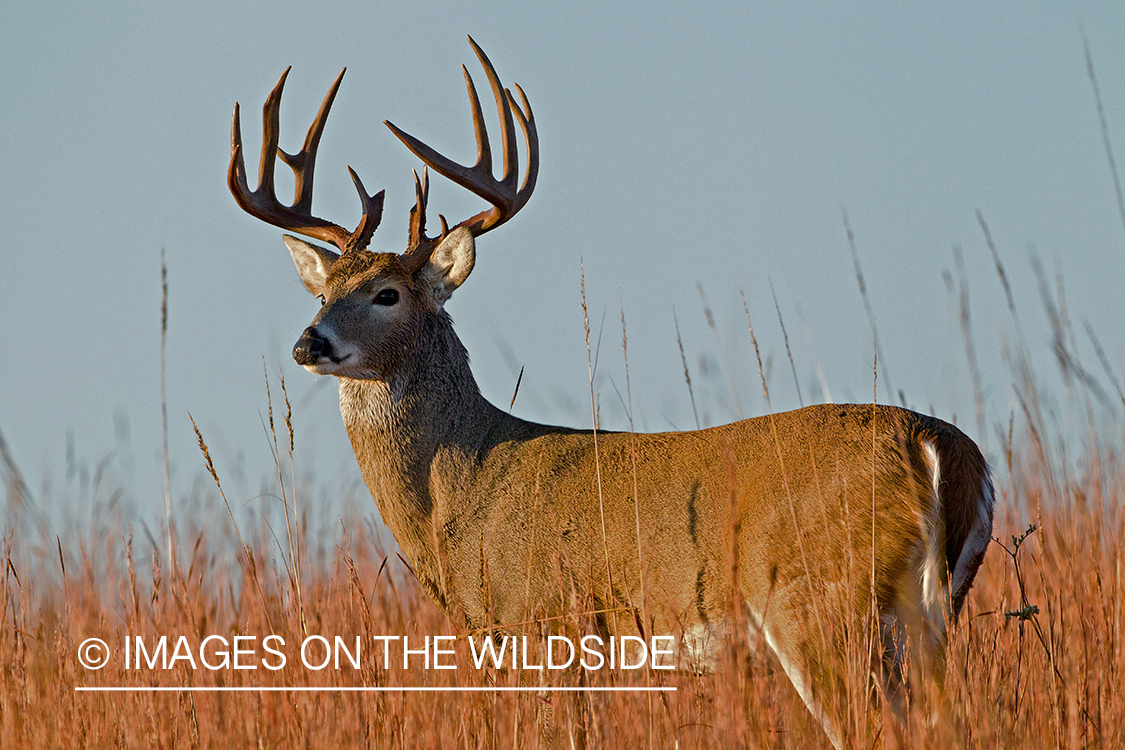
(312, 262)
(449, 265)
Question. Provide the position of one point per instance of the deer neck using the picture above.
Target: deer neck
(399, 427)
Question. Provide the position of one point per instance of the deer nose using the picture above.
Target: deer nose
(310, 347)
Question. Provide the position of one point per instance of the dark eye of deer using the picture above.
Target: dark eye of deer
(386, 297)
(321, 298)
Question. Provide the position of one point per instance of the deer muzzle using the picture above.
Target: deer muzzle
(311, 348)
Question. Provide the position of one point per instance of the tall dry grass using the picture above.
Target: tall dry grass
(1037, 660)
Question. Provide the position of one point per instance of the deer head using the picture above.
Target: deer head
(375, 304)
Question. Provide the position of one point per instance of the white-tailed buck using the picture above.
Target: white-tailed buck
(802, 526)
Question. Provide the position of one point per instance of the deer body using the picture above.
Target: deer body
(466, 487)
(798, 525)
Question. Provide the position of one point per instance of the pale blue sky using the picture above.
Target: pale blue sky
(712, 142)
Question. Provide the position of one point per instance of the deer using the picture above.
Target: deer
(794, 526)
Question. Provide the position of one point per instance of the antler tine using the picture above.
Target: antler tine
(304, 161)
(503, 194)
(418, 213)
(271, 134)
(504, 111)
(263, 203)
(372, 214)
(480, 132)
(526, 119)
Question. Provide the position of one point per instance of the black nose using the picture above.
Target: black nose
(310, 347)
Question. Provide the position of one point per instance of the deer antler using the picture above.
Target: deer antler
(503, 194)
(263, 203)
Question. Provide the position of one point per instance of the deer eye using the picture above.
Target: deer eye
(321, 298)
(386, 297)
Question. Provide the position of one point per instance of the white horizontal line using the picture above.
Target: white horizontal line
(498, 689)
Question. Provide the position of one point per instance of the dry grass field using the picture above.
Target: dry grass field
(1037, 659)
